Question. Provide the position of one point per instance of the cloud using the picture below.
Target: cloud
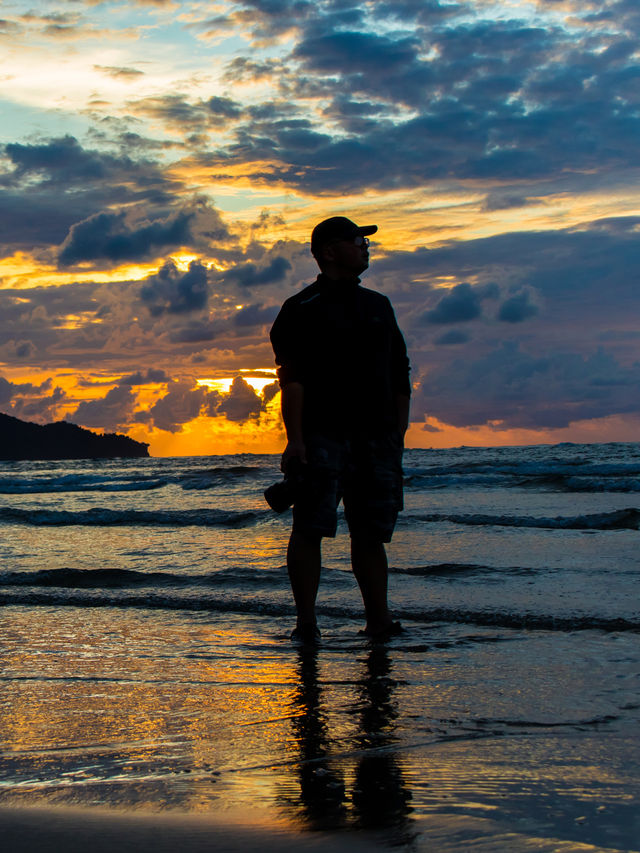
(270, 391)
(108, 236)
(9, 391)
(479, 99)
(457, 112)
(18, 350)
(453, 338)
(536, 375)
(38, 175)
(119, 73)
(530, 391)
(151, 375)
(42, 409)
(250, 275)
(62, 160)
(196, 331)
(185, 401)
(241, 403)
(182, 403)
(518, 308)
(111, 412)
(175, 292)
(255, 315)
(224, 107)
(189, 117)
(375, 59)
(459, 305)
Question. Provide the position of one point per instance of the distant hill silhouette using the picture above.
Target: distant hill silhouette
(62, 440)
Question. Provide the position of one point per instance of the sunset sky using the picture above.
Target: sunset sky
(162, 165)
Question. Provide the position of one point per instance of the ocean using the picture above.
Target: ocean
(146, 660)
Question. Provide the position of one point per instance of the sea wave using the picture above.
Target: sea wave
(214, 477)
(622, 519)
(101, 517)
(111, 578)
(109, 481)
(239, 603)
(79, 483)
(573, 476)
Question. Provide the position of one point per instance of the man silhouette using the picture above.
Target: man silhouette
(344, 375)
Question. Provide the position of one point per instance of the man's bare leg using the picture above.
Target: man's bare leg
(303, 564)
(369, 564)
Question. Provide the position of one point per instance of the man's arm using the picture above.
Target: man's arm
(285, 346)
(402, 407)
(292, 398)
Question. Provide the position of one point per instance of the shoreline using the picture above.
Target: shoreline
(65, 829)
(50, 829)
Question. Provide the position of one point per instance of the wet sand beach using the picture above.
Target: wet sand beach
(150, 690)
(455, 743)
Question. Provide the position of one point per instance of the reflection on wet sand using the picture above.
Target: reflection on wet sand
(321, 800)
(363, 787)
(380, 795)
(419, 743)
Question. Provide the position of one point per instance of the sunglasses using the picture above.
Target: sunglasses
(358, 240)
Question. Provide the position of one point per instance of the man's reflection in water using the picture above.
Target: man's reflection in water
(379, 797)
(322, 795)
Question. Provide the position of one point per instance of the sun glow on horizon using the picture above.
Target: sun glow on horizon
(224, 383)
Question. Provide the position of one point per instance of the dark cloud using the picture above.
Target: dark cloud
(108, 236)
(250, 275)
(17, 350)
(377, 59)
(11, 390)
(7, 390)
(458, 305)
(270, 391)
(185, 401)
(182, 403)
(552, 374)
(255, 315)
(39, 175)
(151, 375)
(241, 403)
(63, 160)
(409, 94)
(176, 292)
(531, 391)
(483, 99)
(453, 338)
(518, 308)
(189, 117)
(225, 107)
(41, 409)
(195, 331)
(111, 412)
(245, 70)
(505, 201)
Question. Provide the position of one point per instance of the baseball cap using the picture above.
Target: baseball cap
(337, 228)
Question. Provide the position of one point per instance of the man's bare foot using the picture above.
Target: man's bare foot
(383, 632)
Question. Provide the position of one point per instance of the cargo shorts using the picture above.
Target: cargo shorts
(364, 472)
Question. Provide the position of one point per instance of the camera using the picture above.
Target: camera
(281, 495)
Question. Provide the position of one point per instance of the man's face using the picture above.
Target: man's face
(349, 257)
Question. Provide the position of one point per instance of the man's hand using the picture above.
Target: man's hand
(294, 449)
(292, 402)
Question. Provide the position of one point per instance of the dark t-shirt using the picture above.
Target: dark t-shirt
(342, 343)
